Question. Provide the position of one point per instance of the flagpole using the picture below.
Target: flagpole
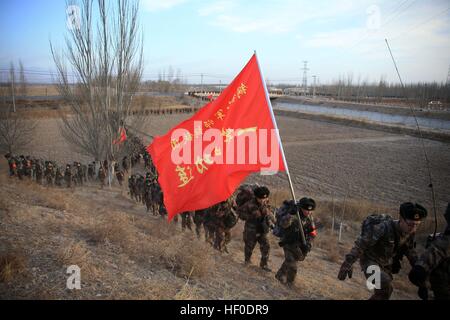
(302, 233)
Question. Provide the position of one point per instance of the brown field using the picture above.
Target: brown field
(125, 253)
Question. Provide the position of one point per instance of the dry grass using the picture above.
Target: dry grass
(12, 264)
(187, 258)
(112, 227)
(277, 197)
(74, 253)
(182, 254)
(188, 292)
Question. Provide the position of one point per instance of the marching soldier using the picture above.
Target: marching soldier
(119, 176)
(258, 221)
(49, 172)
(125, 164)
(39, 172)
(68, 176)
(225, 219)
(79, 173)
(382, 244)
(199, 217)
(290, 236)
(186, 220)
(102, 176)
(59, 176)
(91, 171)
(209, 224)
(433, 266)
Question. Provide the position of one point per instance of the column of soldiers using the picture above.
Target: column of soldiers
(50, 173)
(381, 246)
(383, 242)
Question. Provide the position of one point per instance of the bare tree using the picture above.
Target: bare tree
(105, 58)
(12, 80)
(16, 133)
(22, 80)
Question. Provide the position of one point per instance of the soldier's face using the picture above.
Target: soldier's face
(409, 226)
(306, 213)
(263, 201)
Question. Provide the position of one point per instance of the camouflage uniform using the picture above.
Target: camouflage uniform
(68, 176)
(12, 166)
(383, 247)
(39, 172)
(186, 220)
(209, 224)
(102, 176)
(91, 171)
(49, 173)
(225, 219)
(157, 197)
(125, 164)
(433, 265)
(199, 217)
(291, 244)
(257, 219)
(119, 176)
(59, 177)
(435, 261)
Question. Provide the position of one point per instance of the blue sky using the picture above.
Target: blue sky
(217, 38)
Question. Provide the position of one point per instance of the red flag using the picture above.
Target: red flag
(122, 137)
(201, 161)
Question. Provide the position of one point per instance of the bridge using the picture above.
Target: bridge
(213, 94)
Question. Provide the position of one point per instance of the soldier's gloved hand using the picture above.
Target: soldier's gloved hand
(346, 270)
(306, 248)
(423, 293)
(417, 275)
(396, 266)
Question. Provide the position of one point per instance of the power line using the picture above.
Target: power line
(422, 23)
(305, 75)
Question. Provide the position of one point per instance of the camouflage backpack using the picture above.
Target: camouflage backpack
(244, 195)
(288, 207)
(375, 219)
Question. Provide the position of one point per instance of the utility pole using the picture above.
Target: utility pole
(448, 76)
(12, 76)
(305, 76)
(201, 85)
(314, 87)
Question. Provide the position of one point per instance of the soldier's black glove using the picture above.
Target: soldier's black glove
(417, 275)
(346, 270)
(305, 249)
(396, 266)
(423, 293)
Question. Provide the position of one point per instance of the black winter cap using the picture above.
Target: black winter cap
(307, 204)
(261, 192)
(411, 211)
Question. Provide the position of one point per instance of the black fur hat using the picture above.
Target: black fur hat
(307, 204)
(261, 192)
(411, 211)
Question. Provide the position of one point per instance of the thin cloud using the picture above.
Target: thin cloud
(276, 17)
(159, 5)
